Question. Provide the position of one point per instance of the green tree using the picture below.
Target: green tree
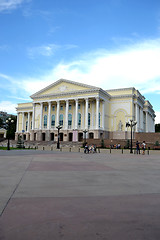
(12, 130)
(157, 127)
(1, 123)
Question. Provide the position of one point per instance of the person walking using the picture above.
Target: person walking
(143, 147)
(137, 147)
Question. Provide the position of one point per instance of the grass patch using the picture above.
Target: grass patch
(12, 148)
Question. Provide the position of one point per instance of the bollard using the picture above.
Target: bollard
(122, 150)
(79, 149)
(99, 150)
(110, 150)
(42, 148)
(148, 151)
(70, 149)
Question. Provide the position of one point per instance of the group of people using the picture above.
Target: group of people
(143, 146)
(90, 148)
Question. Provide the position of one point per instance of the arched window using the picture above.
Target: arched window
(45, 121)
(69, 119)
(61, 119)
(79, 119)
(53, 121)
(89, 119)
(99, 119)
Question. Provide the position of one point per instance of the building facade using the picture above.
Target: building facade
(78, 107)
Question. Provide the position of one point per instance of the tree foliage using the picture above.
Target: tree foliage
(12, 130)
(157, 127)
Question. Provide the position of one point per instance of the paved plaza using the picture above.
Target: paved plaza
(75, 196)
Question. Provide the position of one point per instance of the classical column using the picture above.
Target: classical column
(23, 121)
(76, 115)
(41, 116)
(93, 115)
(137, 117)
(86, 113)
(28, 127)
(17, 127)
(97, 113)
(33, 117)
(57, 116)
(141, 119)
(146, 121)
(66, 116)
(103, 114)
(49, 115)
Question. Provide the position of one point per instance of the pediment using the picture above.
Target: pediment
(63, 86)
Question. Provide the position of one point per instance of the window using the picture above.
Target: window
(61, 107)
(88, 105)
(79, 106)
(45, 108)
(53, 108)
(45, 121)
(89, 119)
(99, 119)
(79, 119)
(26, 125)
(53, 121)
(61, 119)
(69, 119)
(70, 107)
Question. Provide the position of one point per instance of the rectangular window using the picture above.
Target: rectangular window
(53, 108)
(70, 107)
(45, 108)
(88, 105)
(61, 107)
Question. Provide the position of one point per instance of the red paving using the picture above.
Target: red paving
(67, 166)
(84, 218)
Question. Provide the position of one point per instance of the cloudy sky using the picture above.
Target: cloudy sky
(106, 43)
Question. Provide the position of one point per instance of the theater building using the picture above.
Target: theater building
(78, 107)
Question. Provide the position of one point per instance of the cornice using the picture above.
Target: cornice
(69, 93)
(63, 80)
(120, 89)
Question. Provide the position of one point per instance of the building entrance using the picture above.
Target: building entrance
(80, 137)
(70, 137)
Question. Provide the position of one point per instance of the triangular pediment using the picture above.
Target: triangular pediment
(63, 86)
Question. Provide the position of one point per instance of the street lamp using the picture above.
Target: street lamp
(85, 131)
(131, 125)
(58, 145)
(9, 121)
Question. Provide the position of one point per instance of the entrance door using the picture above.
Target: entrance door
(34, 136)
(61, 137)
(91, 135)
(80, 137)
(52, 136)
(70, 137)
(43, 136)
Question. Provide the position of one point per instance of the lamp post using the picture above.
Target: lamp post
(58, 144)
(85, 131)
(131, 125)
(9, 121)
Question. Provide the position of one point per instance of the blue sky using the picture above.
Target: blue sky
(106, 43)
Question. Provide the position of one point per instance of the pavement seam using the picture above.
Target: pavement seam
(17, 185)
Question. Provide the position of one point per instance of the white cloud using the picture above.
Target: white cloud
(47, 50)
(10, 4)
(135, 65)
(157, 119)
(8, 107)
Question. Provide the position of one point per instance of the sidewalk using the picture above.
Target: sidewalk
(48, 195)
